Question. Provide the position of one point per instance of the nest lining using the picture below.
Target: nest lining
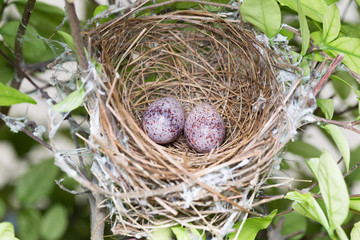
(196, 57)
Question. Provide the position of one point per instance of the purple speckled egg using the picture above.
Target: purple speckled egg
(164, 120)
(204, 128)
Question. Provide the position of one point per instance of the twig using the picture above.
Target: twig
(76, 33)
(27, 132)
(347, 125)
(337, 60)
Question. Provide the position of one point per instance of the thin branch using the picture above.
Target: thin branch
(347, 125)
(337, 60)
(76, 33)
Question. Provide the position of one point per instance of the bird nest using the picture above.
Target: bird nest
(194, 56)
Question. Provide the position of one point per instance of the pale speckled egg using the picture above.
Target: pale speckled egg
(163, 121)
(204, 128)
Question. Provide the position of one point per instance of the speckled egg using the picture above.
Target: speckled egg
(204, 128)
(164, 120)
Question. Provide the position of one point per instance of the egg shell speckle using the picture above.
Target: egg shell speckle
(204, 128)
(164, 120)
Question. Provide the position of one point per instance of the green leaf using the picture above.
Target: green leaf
(34, 49)
(251, 227)
(341, 142)
(307, 206)
(293, 223)
(46, 18)
(331, 23)
(317, 37)
(99, 9)
(10, 96)
(183, 233)
(326, 106)
(161, 234)
(304, 29)
(68, 39)
(332, 187)
(355, 232)
(303, 149)
(344, 86)
(355, 203)
(263, 14)
(350, 47)
(7, 231)
(312, 9)
(72, 101)
(329, 2)
(287, 33)
(6, 69)
(29, 224)
(2, 208)
(37, 183)
(54, 222)
(346, 82)
(358, 2)
(340, 232)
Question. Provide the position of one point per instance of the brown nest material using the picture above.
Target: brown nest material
(194, 56)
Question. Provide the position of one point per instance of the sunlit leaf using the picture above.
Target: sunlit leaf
(355, 232)
(350, 47)
(54, 222)
(99, 9)
(331, 23)
(340, 232)
(312, 9)
(263, 14)
(332, 187)
(326, 106)
(7, 231)
(37, 183)
(307, 206)
(304, 29)
(251, 227)
(341, 142)
(72, 101)
(10, 96)
(355, 203)
(329, 2)
(161, 234)
(183, 233)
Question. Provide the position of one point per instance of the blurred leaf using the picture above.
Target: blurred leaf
(29, 224)
(341, 142)
(342, 88)
(6, 69)
(350, 47)
(317, 37)
(327, 107)
(72, 101)
(7, 231)
(161, 234)
(312, 9)
(339, 79)
(340, 232)
(68, 39)
(303, 149)
(2, 208)
(46, 18)
(251, 227)
(293, 223)
(306, 205)
(34, 49)
(37, 183)
(332, 187)
(10, 96)
(355, 203)
(54, 222)
(304, 29)
(263, 14)
(331, 23)
(358, 2)
(183, 233)
(355, 232)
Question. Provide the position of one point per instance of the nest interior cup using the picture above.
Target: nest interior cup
(195, 57)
